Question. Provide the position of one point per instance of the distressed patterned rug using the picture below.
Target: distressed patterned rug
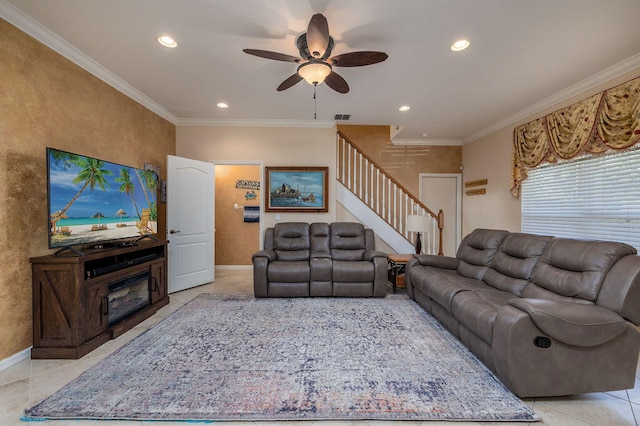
(240, 358)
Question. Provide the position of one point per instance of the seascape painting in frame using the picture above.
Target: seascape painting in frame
(297, 189)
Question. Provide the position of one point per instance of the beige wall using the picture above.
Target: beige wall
(490, 157)
(272, 147)
(236, 240)
(45, 100)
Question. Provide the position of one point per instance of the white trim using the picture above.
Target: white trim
(588, 83)
(15, 358)
(458, 177)
(428, 142)
(241, 122)
(233, 267)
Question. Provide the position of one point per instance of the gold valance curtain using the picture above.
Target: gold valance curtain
(607, 121)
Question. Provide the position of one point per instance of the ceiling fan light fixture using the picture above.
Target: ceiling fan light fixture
(167, 41)
(460, 45)
(314, 72)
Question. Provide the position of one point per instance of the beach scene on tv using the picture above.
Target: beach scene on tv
(92, 201)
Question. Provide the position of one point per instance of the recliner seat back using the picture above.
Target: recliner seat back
(574, 269)
(347, 241)
(514, 261)
(477, 250)
(291, 241)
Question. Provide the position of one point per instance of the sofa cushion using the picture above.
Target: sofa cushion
(477, 250)
(577, 268)
(514, 261)
(442, 287)
(353, 271)
(477, 310)
(291, 241)
(288, 271)
(347, 241)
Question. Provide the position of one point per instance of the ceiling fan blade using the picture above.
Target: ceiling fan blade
(272, 55)
(318, 35)
(294, 79)
(337, 83)
(357, 59)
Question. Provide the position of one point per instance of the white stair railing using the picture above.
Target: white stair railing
(384, 195)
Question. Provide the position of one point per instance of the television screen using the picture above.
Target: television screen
(92, 201)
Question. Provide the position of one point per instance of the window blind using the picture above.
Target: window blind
(590, 198)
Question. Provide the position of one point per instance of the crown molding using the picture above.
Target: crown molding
(42, 34)
(427, 142)
(229, 122)
(595, 80)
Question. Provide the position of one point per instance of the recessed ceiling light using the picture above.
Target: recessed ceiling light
(404, 108)
(167, 41)
(222, 105)
(459, 45)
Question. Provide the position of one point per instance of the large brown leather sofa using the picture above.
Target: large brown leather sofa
(319, 259)
(550, 316)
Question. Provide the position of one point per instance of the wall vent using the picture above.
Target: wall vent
(343, 117)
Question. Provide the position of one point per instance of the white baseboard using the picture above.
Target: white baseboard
(228, 267)
(15, 358)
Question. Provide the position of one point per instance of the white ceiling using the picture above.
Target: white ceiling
(524, 54)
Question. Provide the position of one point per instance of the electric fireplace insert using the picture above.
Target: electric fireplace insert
(128, 296)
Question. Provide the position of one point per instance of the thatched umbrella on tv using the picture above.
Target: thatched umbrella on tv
(98, 216)
(121, 213)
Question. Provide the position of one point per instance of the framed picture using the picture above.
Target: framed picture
(297, 189)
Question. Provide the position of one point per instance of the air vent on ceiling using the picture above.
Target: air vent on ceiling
(343, 117)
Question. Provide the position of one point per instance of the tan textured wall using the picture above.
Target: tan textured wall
(404, 163)
(490, 157)
(231, 230)
(45, 100)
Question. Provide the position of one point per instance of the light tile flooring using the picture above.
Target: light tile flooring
(30, 381)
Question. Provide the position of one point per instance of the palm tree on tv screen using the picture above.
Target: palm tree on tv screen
(127, 186)
(150, 181)
(91, 174)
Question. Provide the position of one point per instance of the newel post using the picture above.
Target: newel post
(440, 228)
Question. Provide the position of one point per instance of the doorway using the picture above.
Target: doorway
(238, 207)
(443, 191)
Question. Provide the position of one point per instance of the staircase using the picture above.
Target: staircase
(382, 203)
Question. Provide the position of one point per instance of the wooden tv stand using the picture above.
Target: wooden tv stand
(72, 299)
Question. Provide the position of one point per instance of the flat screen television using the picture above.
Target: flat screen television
(93, 202)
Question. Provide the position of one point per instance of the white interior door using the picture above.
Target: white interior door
(443, 191)
(190, 222)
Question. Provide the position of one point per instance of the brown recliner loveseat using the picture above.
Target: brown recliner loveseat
(550, 316)
(319, 259)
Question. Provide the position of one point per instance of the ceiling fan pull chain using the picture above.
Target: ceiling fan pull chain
(315, 102)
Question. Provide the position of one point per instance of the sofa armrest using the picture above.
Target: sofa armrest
(575, 324)
(269, 254)
(532, 366)
(444, 262)
(369, 255)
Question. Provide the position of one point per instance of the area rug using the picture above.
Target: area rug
(240, 358)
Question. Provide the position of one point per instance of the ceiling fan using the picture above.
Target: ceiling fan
(315, 59)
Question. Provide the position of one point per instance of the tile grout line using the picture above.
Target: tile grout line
(633, 413)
